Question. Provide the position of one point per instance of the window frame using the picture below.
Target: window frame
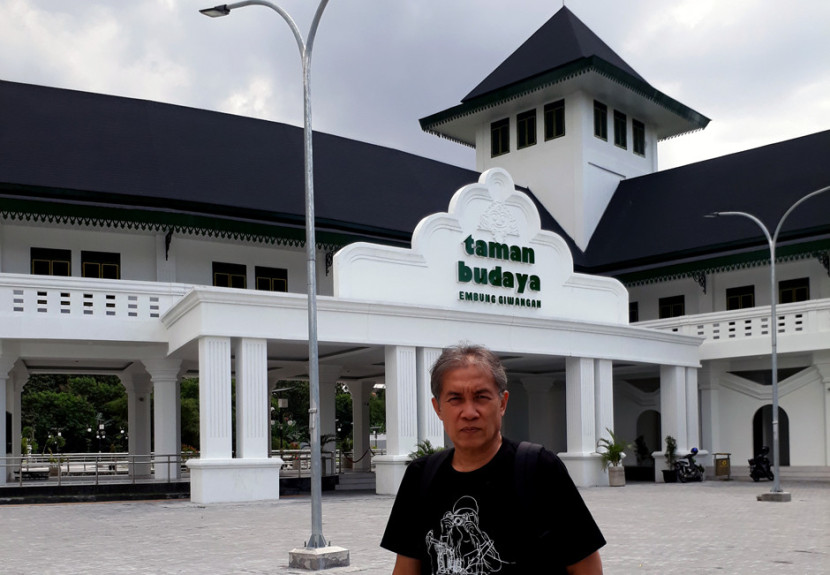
(270, 275)
(600, 120)
(620, 130)
(231, 270)
(554, 116)
(672, 304)
(499, 137)
(740, 297)
(107, 264)
(50, 257)
(526, 129)
(793, 285)
(638, 137)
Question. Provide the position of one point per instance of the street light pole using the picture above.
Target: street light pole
(316, 540)
(773, 327)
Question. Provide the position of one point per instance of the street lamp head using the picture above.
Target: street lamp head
(216, 11)
(712, 215)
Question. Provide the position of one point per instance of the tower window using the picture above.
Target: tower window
(500, 137)
(740, 297)
(633, 312)
(555, 120)
(526, 129)
(50, 262)
(638, 134)
(600, 120)
(791, 291)
(101, 265)
(674, 306)
(620, 130)
(271, 279)
(229, 275)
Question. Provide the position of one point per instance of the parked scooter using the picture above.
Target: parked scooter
(759, 466)
(687, 468)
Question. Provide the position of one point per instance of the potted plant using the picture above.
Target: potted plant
(670, 474)
(612, 452)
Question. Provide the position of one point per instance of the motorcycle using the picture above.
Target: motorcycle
(759, 466)
(687, 468)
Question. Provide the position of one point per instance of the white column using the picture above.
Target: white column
(540, 422)
(139, 389)
(692, 409)
(581, 459)
(252, 406)
(673, 405)
(822, 362)
(360, 392)
(401, 417)
(603, 398)
(19, 377)
(429, 426)
(167, 433)
(709, 413)
(216, 476)
(329, 374)
(215, 435)
(6, 365)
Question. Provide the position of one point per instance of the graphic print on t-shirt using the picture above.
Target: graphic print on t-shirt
(462, 548)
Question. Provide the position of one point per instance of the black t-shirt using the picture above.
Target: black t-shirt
(474, 523)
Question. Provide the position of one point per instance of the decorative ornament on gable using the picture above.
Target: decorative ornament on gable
(499, 221)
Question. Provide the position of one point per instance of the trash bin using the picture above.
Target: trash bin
(723, 465)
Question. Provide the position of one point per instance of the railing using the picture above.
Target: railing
(802, 317)
(82, 297)
(80, 468)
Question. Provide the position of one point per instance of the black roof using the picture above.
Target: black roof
(659, 218)
(561, 40)
(93, 150)
(69, 150)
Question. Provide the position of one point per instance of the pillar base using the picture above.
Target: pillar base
(585, 469)
(234, 480)
(317, 559)
(389, 470)
(776, 496)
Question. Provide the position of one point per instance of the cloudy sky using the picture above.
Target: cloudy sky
(759, 69)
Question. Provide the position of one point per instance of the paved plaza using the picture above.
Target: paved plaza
(713, 527)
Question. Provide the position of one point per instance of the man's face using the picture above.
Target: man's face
(471, 408)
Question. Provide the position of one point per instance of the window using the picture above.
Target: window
(102, 265)
(271, 279)
(672, 306)
(49, 262)
(794, 290)
(600, 120)
(638, 133)
(229, 275)
(620, 130)
(740, 297)
(633, 312)
(555, 120)
(500, 137)
(526, 129)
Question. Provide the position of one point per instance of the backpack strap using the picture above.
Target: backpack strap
(527, 460)
(431, 465)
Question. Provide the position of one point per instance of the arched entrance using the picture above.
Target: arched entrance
(762, 433)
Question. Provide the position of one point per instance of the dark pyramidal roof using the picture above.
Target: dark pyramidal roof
(561, 40)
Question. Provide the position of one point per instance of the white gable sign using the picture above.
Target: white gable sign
(487, 253)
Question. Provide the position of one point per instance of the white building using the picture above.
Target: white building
(153, 241)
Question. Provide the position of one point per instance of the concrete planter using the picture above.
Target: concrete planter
(616, 476)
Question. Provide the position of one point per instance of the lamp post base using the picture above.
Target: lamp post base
(318, 559)
(776, 496)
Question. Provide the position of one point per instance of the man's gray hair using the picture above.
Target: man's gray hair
(463, 355)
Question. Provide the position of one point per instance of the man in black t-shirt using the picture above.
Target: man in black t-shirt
(470, 511)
